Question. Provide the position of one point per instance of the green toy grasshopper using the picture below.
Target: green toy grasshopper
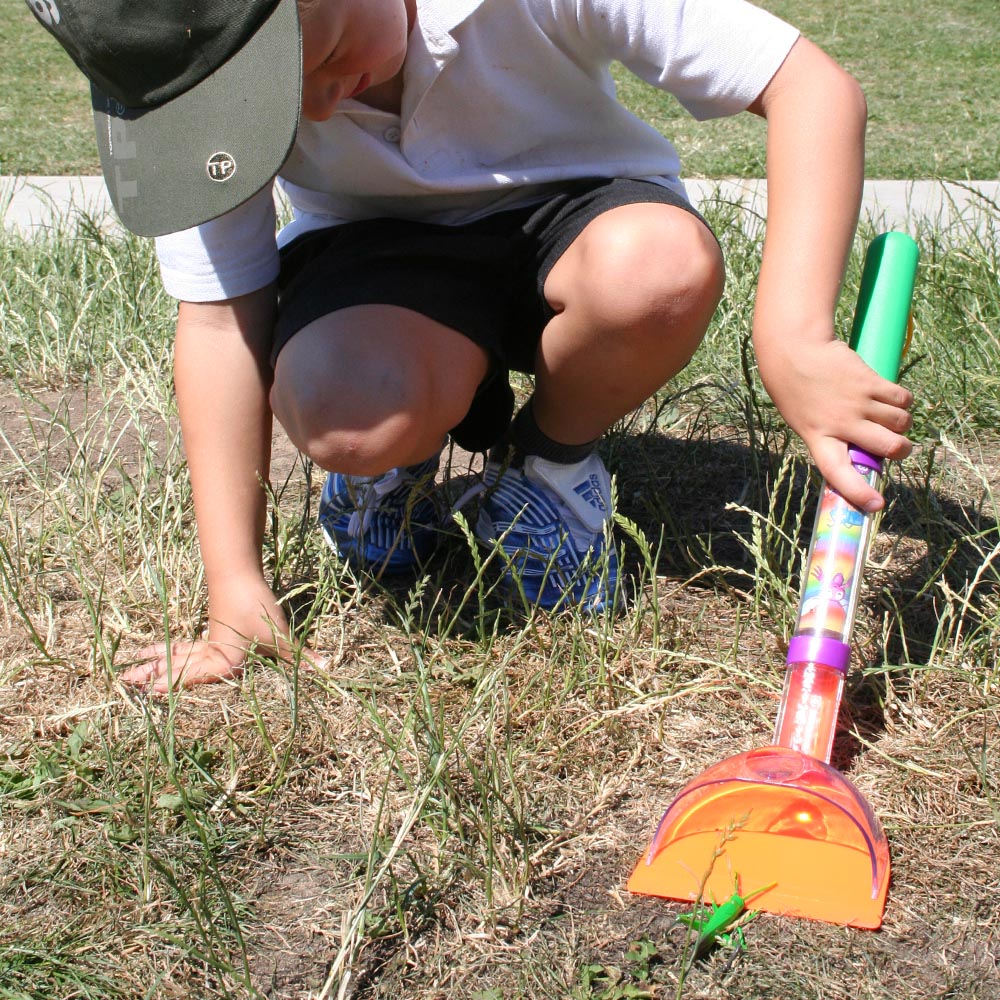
(723, 923)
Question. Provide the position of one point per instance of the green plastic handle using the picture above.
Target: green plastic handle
(882, 316)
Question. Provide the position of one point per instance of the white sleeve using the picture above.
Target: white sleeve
(714, 56)
(232, 255)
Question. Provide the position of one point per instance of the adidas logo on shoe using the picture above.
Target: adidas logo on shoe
(590, 492)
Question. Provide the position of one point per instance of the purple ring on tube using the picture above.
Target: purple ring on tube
(860, 457)
(819, 649)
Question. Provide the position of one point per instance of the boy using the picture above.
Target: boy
(469, 198)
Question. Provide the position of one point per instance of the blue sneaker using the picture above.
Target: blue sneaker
(384, 524)
(553, 523)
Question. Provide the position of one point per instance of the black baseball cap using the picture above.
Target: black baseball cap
(196, 102)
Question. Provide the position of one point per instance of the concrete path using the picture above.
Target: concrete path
(31, 204)
(889, 204)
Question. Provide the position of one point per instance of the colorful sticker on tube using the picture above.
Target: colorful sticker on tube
(832, 568)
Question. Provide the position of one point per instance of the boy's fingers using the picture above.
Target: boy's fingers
(180, 665)
(893, 418)
(138, 675)
(840, 475)
(192, 677)
(313, 661)
(884, 442)
(160, 667)
(151, 652)
(894, 395)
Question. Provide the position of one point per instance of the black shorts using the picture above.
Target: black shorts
(484, 279)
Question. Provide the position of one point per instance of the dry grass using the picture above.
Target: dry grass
(451, 808)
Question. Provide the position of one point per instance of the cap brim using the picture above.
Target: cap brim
(216, 145)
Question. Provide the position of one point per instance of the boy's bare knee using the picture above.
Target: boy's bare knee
(642, 264)
(359, 445)
(699, 274)
(364, 434)
(677, 273)
(368, 451)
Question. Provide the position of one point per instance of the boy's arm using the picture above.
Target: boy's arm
(222, 379)
(816, 117)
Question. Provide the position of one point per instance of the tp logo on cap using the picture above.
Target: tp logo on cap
(221, 166)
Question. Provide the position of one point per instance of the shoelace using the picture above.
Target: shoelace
(369, 496)
(468, 495)
(490, 477)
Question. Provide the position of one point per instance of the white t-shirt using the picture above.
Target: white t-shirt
(502, 99)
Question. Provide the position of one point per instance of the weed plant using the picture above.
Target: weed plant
(451, 805)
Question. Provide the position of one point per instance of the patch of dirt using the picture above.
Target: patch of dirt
(295, 929)
(73, 422)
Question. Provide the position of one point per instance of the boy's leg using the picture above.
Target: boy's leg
(633, 295)
(373, 387)
(389, 336)
(630, 299)
(369, 393)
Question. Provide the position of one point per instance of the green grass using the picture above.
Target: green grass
(46, 126)
(929, 70)
(450, 808)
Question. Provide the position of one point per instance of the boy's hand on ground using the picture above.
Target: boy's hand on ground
(188, 663)
(832, 399)
(184, 664)
(254, 622)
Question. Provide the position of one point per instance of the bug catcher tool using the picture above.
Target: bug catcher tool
(781, 814)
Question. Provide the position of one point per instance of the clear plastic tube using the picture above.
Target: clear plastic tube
(819, 653)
